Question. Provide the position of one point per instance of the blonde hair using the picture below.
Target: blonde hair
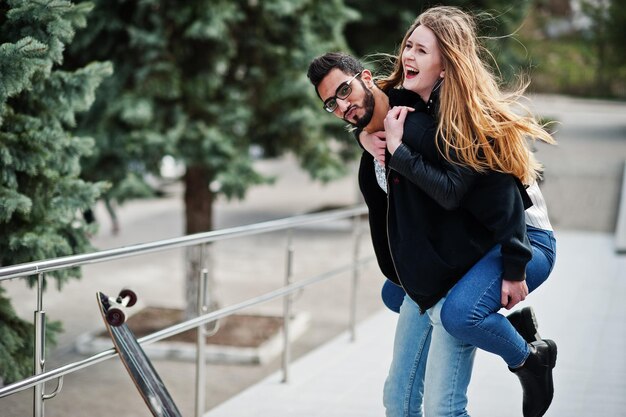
(476, 119)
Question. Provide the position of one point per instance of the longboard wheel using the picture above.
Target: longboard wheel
(132, 297)
(115, 317)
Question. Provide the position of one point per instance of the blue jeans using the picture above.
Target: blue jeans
(420, 337)
(470, 312)
(403, 393)
(392, 296)
(450, 359)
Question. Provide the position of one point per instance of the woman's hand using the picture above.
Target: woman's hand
(394, 126)
(374, 143)
(512, 293)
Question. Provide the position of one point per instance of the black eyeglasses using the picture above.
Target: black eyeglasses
(342, 92)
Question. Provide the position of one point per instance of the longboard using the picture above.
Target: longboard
(139, 367)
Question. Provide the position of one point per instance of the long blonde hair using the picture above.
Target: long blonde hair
(476, 119)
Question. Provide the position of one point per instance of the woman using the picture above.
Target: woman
(477, 134)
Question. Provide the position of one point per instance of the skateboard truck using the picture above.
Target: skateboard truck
(115, 315)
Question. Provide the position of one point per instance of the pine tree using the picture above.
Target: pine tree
(41, 194)
(204, 80)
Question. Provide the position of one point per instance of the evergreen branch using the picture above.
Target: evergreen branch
(18, 63)
(11, 202)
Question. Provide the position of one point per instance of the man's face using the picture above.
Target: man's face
(356, 109)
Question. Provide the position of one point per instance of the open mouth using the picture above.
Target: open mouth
(410, 72)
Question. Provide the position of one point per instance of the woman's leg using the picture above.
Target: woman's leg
(470, 311)
(448, 371)
(404, 388)
(544, 256)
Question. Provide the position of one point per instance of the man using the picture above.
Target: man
(365, 106)
(349, 92)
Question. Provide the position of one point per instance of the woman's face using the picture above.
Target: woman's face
(422, 63)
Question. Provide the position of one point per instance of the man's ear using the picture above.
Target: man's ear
(367, 78)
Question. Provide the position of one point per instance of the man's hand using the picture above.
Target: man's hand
(374, 143)
(512, 293)
(394, 126)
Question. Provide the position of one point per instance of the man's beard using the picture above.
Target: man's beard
(368, 105)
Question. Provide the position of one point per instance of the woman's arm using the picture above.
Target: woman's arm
(495, 199)
(374, 143)
(411, 142)
(498, 202)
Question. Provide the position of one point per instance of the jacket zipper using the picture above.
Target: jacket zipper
(393, 261)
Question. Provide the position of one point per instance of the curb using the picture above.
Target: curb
(91, 344)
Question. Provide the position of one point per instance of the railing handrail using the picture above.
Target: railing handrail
(175, 329)
(37, 267)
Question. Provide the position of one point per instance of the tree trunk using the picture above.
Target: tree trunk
(198, 218)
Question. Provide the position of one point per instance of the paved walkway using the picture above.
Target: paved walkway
(581, 307)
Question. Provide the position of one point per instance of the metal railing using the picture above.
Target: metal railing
(41, 376)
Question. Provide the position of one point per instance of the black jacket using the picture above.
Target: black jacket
(441, 217)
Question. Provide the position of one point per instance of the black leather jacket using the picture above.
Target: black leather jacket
(441, 218)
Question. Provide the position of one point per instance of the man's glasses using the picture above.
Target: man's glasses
(342, 92)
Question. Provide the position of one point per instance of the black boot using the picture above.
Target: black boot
(536, 378)
(525, 323)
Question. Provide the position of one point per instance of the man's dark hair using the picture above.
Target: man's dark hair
(322, 65)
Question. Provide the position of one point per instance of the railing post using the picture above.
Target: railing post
(203, 308)
(40, 347)
(287, 301)
(355, 275)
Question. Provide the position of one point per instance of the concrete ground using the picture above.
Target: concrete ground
(579, 308)
(584, 316)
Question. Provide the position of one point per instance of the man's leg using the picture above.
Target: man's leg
(404, 388)
(448, 371)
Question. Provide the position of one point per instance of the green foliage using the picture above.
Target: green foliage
(18, 62)
(41, 194)
(565, 66)
(39, 176)
(586, 61)
(205, 80)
